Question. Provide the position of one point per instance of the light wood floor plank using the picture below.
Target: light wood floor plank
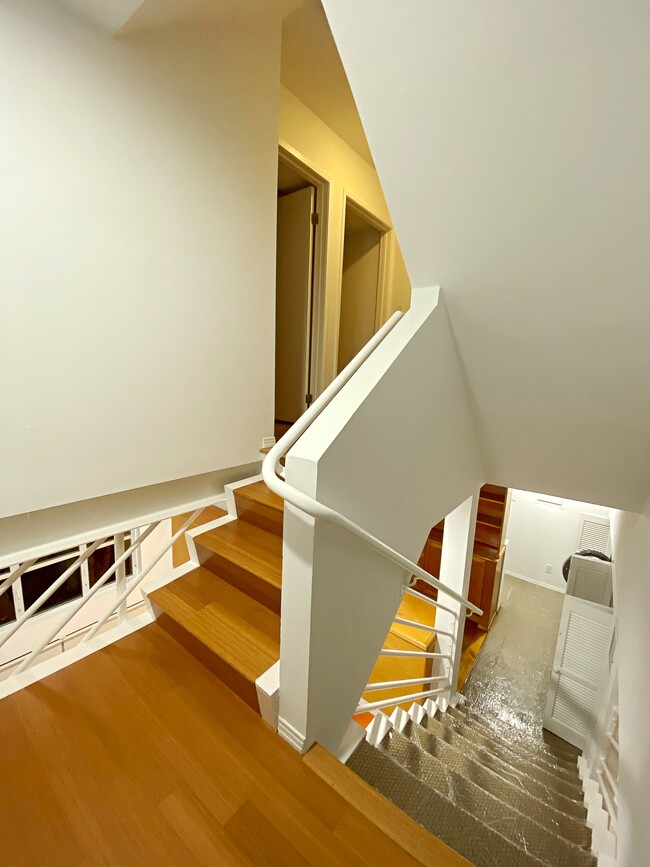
(138, 755)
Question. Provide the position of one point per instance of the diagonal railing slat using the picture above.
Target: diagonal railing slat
(82, 602)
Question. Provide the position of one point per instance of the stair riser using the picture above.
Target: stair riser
(245, 581)
(233, 679)
(262, 516)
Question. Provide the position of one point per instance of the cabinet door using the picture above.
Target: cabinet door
(580, 663)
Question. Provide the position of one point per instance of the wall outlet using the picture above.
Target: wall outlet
(548, 568)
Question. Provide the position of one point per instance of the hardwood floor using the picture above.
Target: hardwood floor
(139, 755)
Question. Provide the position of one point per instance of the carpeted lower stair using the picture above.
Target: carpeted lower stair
(498, 798)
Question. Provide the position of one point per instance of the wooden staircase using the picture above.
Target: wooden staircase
(227, 611)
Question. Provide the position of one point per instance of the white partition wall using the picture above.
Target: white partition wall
(395, 458)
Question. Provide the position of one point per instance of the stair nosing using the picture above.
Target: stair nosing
(273, 561)
(189, 623)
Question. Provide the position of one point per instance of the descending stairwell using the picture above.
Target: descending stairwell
(497, 797)
(227, 611)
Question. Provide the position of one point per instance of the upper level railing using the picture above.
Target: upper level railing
(112, 606)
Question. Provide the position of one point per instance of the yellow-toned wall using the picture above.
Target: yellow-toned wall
(305, 134)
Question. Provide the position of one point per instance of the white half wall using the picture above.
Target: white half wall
(631, 546)
(395, 458)
(541, 533)
(137, 235)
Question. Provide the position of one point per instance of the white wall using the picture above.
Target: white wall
(339, 597)
(539, 533)
(348, 175)
(137, 235)
(511, 140)
(631, 545)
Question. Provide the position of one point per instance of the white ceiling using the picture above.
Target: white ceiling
(512, 143)
(312, 70)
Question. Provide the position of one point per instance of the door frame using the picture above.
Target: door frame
(385, 261)
(296, 161)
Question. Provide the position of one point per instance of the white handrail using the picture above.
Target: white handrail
(613, 784)
(416, 593)
(398, 699)
(417, 625)
(609, 803)
(411, 681)
(613, 742)
(420, 654)
(318, 510)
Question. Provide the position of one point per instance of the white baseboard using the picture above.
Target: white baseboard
(561, 590)
(14, 683)
(291, 735)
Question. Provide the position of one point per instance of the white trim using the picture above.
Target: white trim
(268, 694)
(323, 183)
(537, 583)
(74, 541)
(351, 740)
(62, 660)
(291, 735)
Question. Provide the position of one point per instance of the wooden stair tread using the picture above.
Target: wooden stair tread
(412, 837)
(259, 493)
(249, 547)
(412, 608)
(241, 631)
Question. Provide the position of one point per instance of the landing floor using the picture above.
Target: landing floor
(511, 675)
(138, 755)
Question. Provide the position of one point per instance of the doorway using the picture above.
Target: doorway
(361, 280)
(302, 197)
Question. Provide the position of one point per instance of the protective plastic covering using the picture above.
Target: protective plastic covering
(484, 776)
(559, 814)
(481, 845)
(510, 678)
(493, 753)
(526, 832)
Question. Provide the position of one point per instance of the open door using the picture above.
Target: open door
(294, 274)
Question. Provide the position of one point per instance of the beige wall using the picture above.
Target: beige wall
(348, 174)
(135, 173)
(358, 318)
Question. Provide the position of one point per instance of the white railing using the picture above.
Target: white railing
(115, 605)
(273, 475)
(607, 779)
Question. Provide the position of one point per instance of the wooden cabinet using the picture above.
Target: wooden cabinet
(488, 556)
